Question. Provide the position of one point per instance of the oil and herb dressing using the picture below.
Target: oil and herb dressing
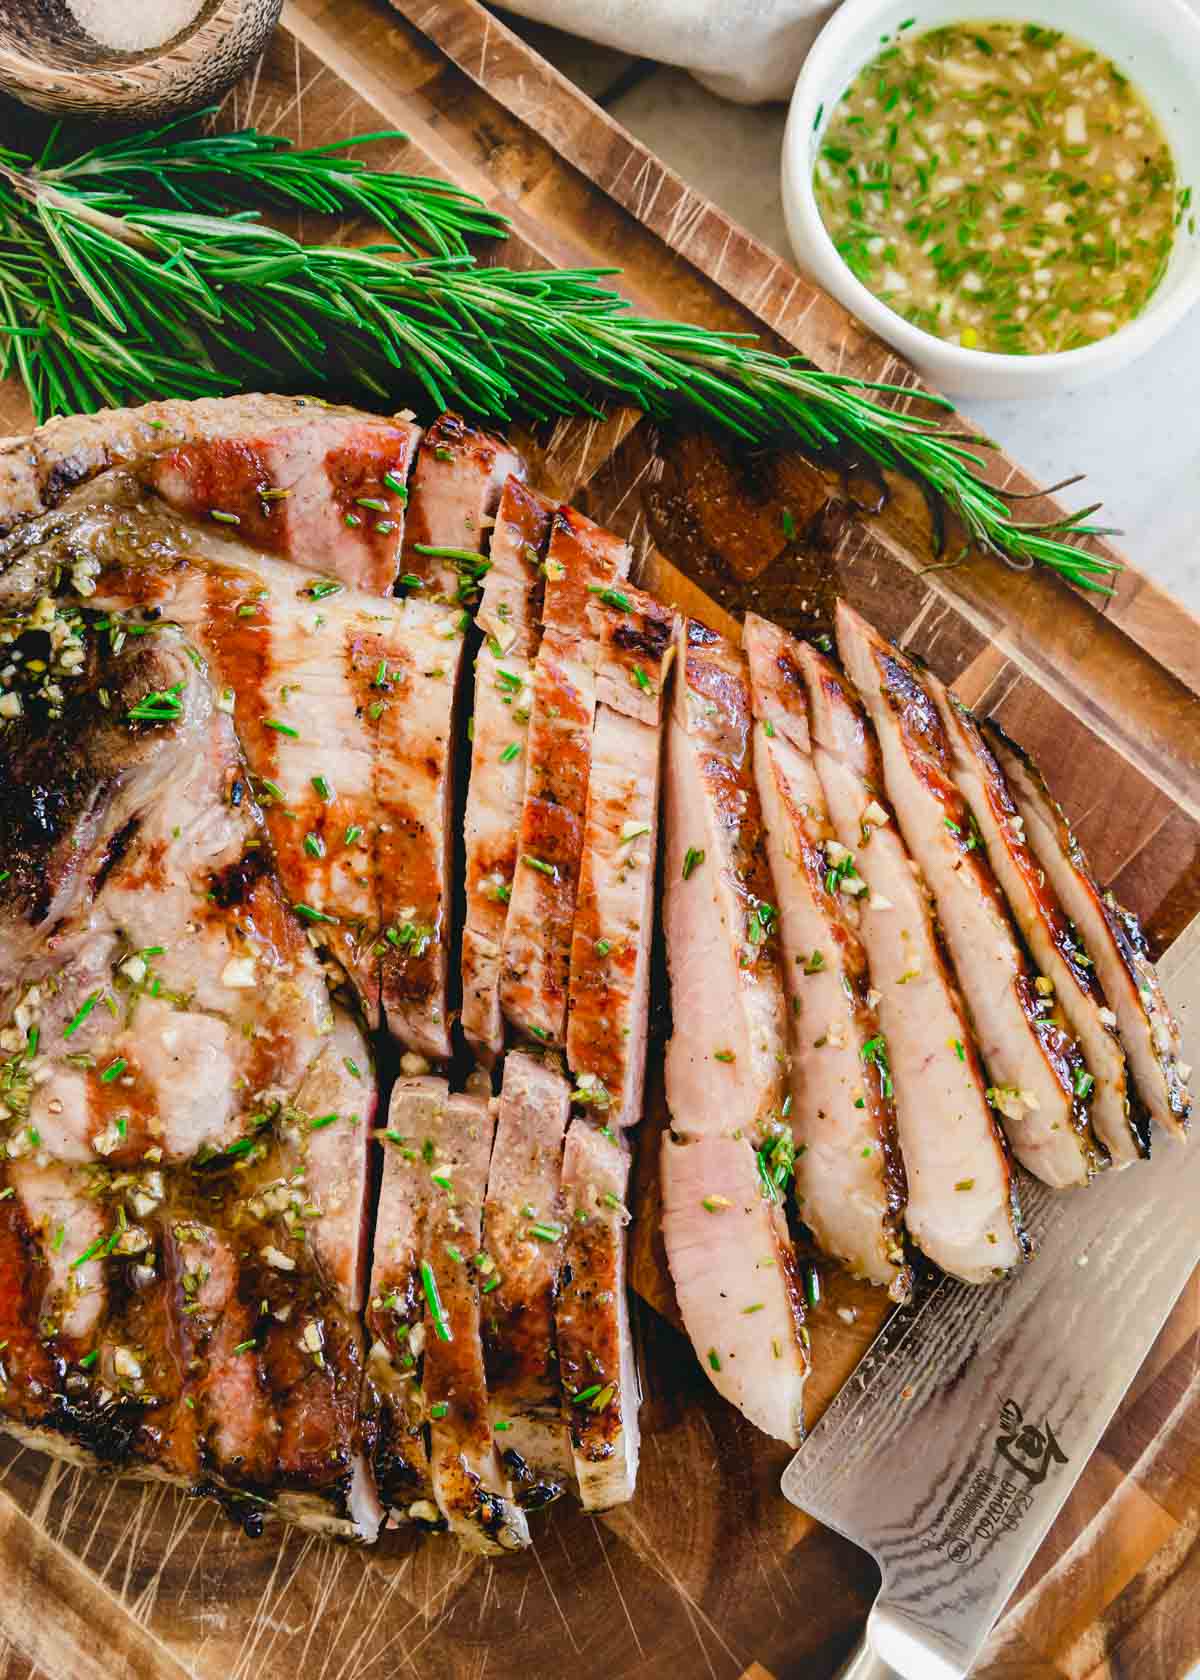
(1001, 186)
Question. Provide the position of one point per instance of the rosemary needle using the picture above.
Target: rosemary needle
(124, 278)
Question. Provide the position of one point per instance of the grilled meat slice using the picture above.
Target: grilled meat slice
(584, 563)
(396, 1308)
(523, 1230)
(850, 1187)
(413, 785)
(726, 1061)
(601, 1392)
(470, 1485)
(328, 493)
(614, 912)
(736, 1278)
(1033, 1062)
(39, 471)
(456, 489)
(581, 559)
(495, 795)
(456, 486)
(510, 609)
(508, 617)
(962, 1209)
(1066, 972)
(535, 952)
(1112, 940)
(328, 1134)
(66, 1223)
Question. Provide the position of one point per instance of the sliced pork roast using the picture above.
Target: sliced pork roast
(234, 635)
(1034, 1063)
(614, 914)
(728, 1153)
(1066, 971)
(523, 1239)
(601, 1393)
(962, 1206)
(509, 617)
(1110, 937)
(204, 1137)
(581, 560)
(472, 1487)
(327, 490)
(456, 488)
(850, 1187)
(396, 1311)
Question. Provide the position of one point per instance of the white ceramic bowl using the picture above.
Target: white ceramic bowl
(1154, 42)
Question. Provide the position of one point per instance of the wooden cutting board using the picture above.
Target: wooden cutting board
(709, 1572)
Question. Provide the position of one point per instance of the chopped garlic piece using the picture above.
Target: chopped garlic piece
(239, 974)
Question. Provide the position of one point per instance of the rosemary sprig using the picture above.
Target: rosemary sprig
(216, 172)
(118, 286)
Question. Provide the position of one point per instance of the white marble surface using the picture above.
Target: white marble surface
(1136, 435)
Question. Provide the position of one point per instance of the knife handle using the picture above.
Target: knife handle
(863, 1664)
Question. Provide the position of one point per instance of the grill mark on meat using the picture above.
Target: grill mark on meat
(57, 796)
(234, 885)
(356, 472)
(316, 1403)
(536, 948)
(514, 587)
(229, 475)
(456, 487)
(412, 784)
(368, 740)
(240, 1428)
(167, 1433)
(112, 855)
(279, 671)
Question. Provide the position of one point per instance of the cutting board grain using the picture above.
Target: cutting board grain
(709, 1573)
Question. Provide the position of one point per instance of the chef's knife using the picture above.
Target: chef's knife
(951, 1449)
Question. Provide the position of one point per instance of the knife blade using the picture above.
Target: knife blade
(952, 1447)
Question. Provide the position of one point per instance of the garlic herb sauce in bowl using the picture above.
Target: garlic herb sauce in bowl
(1000, 185)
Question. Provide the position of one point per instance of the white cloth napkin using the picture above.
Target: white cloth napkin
(748, 50)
